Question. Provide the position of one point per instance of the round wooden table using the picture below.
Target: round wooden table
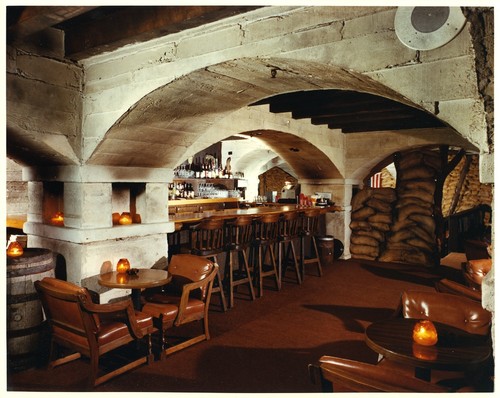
(455, 349)
(145, 278)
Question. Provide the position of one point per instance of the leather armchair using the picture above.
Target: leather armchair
(475, 271)
(452, 287)
(343, 375)
(460, 312)
(185, 299)
(89, 329)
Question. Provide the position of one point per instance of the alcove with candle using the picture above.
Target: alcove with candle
(53, 203)
(126, 201)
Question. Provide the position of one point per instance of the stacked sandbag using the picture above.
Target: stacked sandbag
(412, 237)
(371, 218)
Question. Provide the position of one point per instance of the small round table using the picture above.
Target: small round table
(455, 349)
(145, 278)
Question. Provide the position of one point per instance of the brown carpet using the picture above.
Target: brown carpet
(265, 345)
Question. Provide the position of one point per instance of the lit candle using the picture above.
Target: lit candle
(125, 219)
(14, 249)
(58, 219)
(122, 266)
(425, 333)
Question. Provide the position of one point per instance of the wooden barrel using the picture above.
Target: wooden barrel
(25, 319)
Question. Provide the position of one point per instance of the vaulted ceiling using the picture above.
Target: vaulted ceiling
(92, 30)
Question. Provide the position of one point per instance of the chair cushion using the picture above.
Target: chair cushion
(169, 311)
(193, 305)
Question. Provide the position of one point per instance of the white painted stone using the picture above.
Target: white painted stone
(487, 168)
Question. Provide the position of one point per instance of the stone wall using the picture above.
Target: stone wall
(274, 180)
(17, 190)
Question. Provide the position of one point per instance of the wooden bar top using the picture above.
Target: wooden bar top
(189, 218)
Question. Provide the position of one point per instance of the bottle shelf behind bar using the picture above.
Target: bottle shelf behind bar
(208, 188)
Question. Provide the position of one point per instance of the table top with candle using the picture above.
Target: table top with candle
(145, 278)
(455, 348)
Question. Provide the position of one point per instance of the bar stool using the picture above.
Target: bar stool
(206, 239)
(265, 237)
(307, 233)
(288, 233)
(174, 241)
(239, 238)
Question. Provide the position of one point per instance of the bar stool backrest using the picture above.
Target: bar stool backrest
(207, 237)
(289, 225)
(310, 221)
(239, 232)
(266, 228)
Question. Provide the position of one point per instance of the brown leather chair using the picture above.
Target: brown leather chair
(346, 375)
(456, 311)
(92, 330)
(452, 287)
(475, 271)
(185, 299)
(459, 312)
(476, 249)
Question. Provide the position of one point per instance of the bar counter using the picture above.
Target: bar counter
(190, 218)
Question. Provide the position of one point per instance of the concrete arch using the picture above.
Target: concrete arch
(178, 118)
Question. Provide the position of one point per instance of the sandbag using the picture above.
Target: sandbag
(380, 218)
(404, 212)
(415, 173)
(358, 201)
(409, 200)
(425, 222)
(364, 240)
(401, 236)
(373, 233)
(381, 226)
(410, 159)
(379, 205)
(424, 235)
(385, 194)
(421, 244)
(364, 250)
(416, 193)
(362, 214)
(355, 225)
(427, 185)
(402, 224)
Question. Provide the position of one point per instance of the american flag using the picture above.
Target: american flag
(376, 180)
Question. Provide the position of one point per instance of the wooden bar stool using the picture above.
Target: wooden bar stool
(265, 237)
(288, 233)
(239, 238)
(308, 231)
(207, 240)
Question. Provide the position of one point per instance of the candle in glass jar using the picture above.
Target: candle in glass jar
(58, 219)
(122, 266)
(425, 333)
(125, 219)
(14, 249)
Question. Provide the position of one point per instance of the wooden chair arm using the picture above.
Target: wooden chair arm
(189, 287)
(121, 310)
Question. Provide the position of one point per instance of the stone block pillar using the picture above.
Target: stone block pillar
(88, 243)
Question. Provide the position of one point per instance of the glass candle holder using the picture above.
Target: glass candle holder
(14, 249)
(122, 266)
(58, 219)
(125, 219)
(425, 333)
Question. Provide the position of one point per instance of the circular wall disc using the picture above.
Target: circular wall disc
(427, 28)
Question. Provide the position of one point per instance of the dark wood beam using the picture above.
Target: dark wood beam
(26, 21)
(112, 27)
(340, 119)
(405, 124)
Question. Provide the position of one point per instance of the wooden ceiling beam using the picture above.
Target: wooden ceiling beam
(26, 21)
(406, 124)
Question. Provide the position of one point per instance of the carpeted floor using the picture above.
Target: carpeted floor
(265, 345)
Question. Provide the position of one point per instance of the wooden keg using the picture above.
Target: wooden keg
(25, 318)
